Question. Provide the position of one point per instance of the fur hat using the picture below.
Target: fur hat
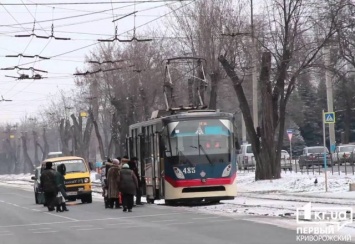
(125, 166)
(116, 162)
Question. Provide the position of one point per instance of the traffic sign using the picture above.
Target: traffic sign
(289, 133)
(329, 118)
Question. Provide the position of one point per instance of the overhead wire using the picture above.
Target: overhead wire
(93, 44)
(61, 54)
(94, 3)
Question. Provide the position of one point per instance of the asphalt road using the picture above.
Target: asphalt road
(23, 222)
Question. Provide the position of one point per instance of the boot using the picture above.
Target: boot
(58, 209)
(64, 207)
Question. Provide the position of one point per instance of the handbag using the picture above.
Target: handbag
(60, 198)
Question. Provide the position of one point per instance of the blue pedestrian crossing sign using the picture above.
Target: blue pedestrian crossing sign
(329, 118)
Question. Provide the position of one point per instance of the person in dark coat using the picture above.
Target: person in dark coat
(113, 181)
(49, 186)
(133, 165)
(61, 171)
(128, 185)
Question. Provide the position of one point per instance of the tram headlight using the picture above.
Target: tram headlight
(178, 173)
(227, 170)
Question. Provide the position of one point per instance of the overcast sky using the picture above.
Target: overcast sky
(28, 96)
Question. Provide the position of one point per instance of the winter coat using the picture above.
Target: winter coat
(48, 181)
(113, 177)
(133, 166)
(128, 182)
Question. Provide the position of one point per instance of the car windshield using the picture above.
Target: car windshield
(249, 149)
(73, 166)
(346, 149)
(199, 141)
(316, 150)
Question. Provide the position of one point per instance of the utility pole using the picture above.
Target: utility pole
(254, 71)
(244, 132)
(329, 86)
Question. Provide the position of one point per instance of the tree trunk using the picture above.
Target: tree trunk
(98, 135)
(35, 144)
(29, 167)
(190, 87)
(64, 131)
(46, 146)
(264, 151)
(214, 90)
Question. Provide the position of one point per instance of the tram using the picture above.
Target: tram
(186, 156)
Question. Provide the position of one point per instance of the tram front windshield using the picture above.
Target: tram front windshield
(194, 142)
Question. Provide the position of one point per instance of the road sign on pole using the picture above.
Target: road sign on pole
(329, 117)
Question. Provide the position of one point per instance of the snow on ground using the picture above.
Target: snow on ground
(292, 182)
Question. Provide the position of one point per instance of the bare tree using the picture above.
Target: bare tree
(291, 45)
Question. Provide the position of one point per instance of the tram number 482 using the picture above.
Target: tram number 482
(189, 170)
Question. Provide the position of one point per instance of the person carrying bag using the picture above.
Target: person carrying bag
(62, 195)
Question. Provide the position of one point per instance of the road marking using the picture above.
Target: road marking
(45, 232)
(37, 210)
(181, 223)
(91, 229)
(6, 234)
(4, 231)
(56, 215)
(41, 229)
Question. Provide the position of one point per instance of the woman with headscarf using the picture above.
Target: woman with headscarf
(128, 186)
(61, 171)
(113, 175)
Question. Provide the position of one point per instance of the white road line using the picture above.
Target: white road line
(4, 231)
(6, 234)
(45, 232)
(40, 229)
(91, 229)
(181, 223)
(37, 210)
(59, 216)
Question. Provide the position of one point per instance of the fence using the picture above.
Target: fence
(337, 164)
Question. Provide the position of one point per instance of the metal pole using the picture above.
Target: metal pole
(254, 71)
(291, 151)
(325, 154)
(329, 86)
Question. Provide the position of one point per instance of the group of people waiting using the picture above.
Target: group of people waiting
(53, 186)
(120, 181)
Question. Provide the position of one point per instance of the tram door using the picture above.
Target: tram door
(152, 164)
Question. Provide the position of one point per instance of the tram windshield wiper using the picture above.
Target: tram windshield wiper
(187, 160)
(204, 152)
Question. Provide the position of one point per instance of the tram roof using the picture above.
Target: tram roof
(184, 116)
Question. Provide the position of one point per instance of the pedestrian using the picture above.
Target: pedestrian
(128, 185)
(133, 165)
(61, 171)
(49, 186)
(113, 181)
(104, 184)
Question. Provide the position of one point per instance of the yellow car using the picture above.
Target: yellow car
(77, 178)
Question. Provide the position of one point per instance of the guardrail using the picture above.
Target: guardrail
(314, 166)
